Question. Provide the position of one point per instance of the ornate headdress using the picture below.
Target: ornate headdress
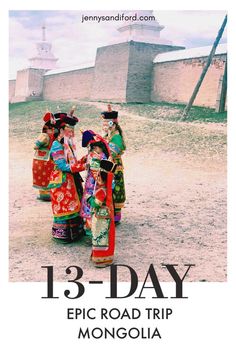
(110, 114)
(49, 121)
(61, 120)
(89, 137)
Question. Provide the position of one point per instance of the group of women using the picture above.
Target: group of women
(89, 208)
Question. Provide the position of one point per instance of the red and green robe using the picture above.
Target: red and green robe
(65, 190)
(117, 148)
(42, 165)
(102, 225)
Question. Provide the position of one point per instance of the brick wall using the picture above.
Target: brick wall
(110, 76)
(35, 82)
(141, 55)
(71, 85)
(29, 84)
(174, 81)
(11, 89)
(22, 78)
(125, 72)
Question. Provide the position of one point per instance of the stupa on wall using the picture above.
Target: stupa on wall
(44, 58)
(144, 29)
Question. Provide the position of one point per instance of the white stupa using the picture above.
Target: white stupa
(44, 59)
(146, 30)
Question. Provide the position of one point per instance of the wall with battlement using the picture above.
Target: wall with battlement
(174, 81)
(125, 72)
(70, 85)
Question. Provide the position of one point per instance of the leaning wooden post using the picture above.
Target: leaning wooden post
(204, 71)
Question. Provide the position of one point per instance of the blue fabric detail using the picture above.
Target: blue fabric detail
(115, 148)
(60, 163)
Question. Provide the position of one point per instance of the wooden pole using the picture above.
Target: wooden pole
(204, 71)
(223, 91)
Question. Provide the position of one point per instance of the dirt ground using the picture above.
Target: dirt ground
(175, 210)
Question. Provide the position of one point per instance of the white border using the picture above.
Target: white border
(201, 324)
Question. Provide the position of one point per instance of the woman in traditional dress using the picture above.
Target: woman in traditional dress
(103, 226)
(65, 182)
(114, 136)
(97, 150)
(42, 164)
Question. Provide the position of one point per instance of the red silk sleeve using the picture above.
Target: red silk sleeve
(100, 195)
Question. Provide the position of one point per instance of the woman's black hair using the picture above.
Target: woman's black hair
(47, 126)
(102, 146)
(118, 127)
(45, 129)
(103, 176)
(57, 131)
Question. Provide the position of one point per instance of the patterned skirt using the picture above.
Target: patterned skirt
(68, 230)
(41, 173)
(85, 211)
(67, 224)
(103, 241)
(42, 168)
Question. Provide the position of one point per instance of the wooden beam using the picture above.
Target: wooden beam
(204, 71)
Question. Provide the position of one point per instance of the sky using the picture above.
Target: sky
(75, 43)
